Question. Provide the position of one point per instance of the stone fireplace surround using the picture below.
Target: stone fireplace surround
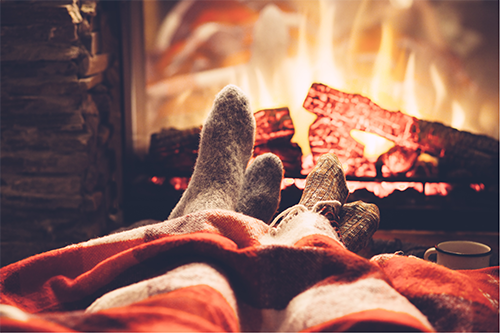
(61, 142)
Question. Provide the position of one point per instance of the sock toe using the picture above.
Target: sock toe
(260, 193)
(226, 144)
(326, 182)
(358, 222)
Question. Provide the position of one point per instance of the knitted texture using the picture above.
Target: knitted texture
(326, 182)
(358, 222)
(208, 271)
(226, 146)
(260, 193)
(355, 222)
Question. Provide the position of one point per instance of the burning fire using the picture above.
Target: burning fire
(373, 55)
(379, 64)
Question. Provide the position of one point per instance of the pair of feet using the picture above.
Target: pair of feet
(221, 179)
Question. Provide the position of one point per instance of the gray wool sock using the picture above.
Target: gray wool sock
(260, 194)
(226, 145)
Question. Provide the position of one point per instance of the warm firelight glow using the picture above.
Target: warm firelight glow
(439, 87)
(179, 183)
(371, 51)
(410, 105)
(477, 187)
(381, 77)
(158, 180)
(391, 83)
(384, 189)
(375, 145)
(458, 113)
(315, 55)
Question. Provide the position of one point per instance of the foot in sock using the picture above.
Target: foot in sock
(325, 183)
(260, 194)
(226, 145)
(354, 222)
(358, 222)
(325, 191)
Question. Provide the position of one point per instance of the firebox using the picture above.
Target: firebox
(404, 92)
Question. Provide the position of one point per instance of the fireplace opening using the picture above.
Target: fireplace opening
(404, 92)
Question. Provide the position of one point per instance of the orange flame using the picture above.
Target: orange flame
(390, 81)
(371, 57)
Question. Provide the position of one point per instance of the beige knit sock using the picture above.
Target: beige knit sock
(326, 182)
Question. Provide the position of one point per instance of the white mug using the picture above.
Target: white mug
(461, 254)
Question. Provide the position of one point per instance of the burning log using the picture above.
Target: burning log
(460, 153)
(173, 152)
(273, 124)
(274, 131)
(338, 113)
(397, 161)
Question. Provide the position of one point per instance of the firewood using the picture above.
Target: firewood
(173, 152)
(339, 113)
(274, 130)
(459, 152)
(40, 52)
(39, 33)
(63, 13)
(398, 160)
(94, 64)
(91, 81)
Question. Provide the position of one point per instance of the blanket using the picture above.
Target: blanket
(212, 271)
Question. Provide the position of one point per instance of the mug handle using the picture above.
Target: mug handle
(429, 251)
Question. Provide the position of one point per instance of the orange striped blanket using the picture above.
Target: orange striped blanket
(211, 271)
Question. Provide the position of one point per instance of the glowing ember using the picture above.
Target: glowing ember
(382, 189)
(158, 180)
(477, 187)
(179, 183)
(286, 182)
(437, 189)
(399, 161)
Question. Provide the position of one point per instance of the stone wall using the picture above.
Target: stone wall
(60, 124)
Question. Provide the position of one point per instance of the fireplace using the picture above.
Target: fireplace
(426, 63)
